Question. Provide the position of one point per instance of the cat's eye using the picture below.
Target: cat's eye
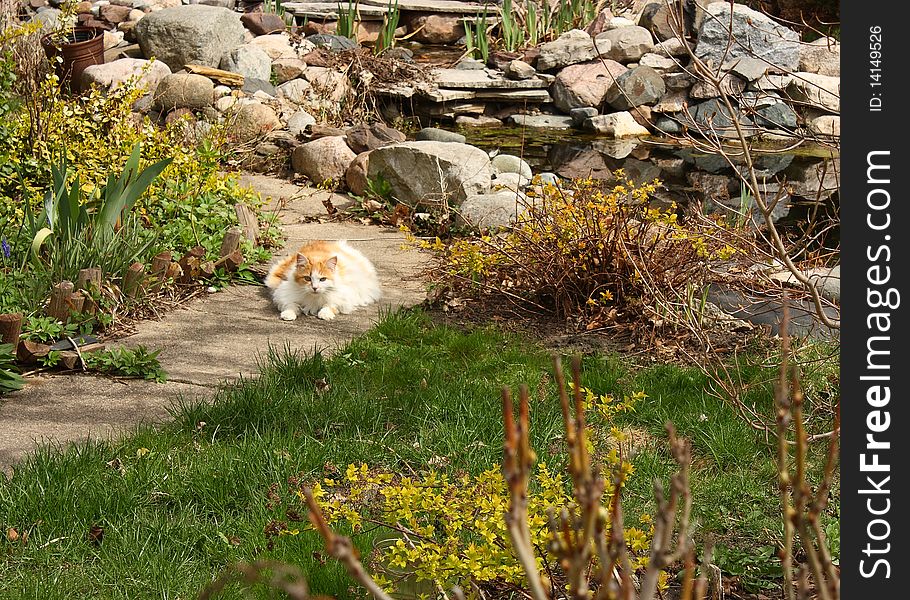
(323, 278)
(306, 277)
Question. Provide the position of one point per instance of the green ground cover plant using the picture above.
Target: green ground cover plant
(69, 147)
(171, 507)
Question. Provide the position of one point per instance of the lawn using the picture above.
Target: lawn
(177, 504)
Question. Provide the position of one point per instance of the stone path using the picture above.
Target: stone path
(207, 341)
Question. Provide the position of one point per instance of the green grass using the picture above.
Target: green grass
(179, 503)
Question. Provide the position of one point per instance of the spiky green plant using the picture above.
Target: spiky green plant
(389, 25)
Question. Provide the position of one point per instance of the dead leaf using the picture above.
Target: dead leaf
(95, 535)
(11, 534)
(322, 385)
(329, 207)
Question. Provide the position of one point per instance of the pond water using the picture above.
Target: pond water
(806, 179)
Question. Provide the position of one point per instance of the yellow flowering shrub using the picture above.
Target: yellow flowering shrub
(589, 248)
(450, 529)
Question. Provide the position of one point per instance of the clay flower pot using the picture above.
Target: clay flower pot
(79, 48)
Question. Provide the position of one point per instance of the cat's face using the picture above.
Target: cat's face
(316, 276)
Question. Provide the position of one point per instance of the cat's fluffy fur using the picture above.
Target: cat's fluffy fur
(323, 279)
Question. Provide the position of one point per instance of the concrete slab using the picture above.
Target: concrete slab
(211, 339)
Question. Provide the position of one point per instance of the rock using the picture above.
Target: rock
(627, 44)
(47, 18)
(756, 36)
(252, 120)
(570, 48)
(80, 8)
(112, 75)
(299, 122)
(428, 172)
(547, 178)
(325, 159)
(249, 61)
(296, 91)
(183, 90)
(276, 45)
(749, 68)
(585, 164)
(257, 87)
(671, 47)
(581, 114)
(490, 211)
(479, 121)
(768, 83)
(435, 28)
(356, 174)
(776, 116)
(729, 83)
(678, 81)
(661, 64)
(713, 187)
(226, 103)
(221, 91)
(660, 18)
(439, 135)
(470, 64)
(331, 85)
(713, 115)
(825, 125)
(585, 84)
(821, 56)
(820, 91)
(136, 14)
(518, 69)
(618, 124)
(619, 23)
(262, 23)
(668, 126)
(335, 43)
(507, 163)
(542, 121)
(672, 102)
(193, 34)
(815, 180)
(222, 3)
(600, 22)
(511, 181)
(638, 86)
(286, 69)
(115, 14)
(112, 39)
(363, 137)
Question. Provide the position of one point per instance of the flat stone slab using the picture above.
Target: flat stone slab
(447, 95)
(483, 80)
(438, 6)
(329, 11)
(211, 339)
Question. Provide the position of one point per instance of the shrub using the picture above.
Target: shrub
(451, 530)
(589, 249)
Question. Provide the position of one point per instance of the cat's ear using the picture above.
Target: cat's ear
(302, 261)
(331, 263)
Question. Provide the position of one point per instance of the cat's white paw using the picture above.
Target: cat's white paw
(326, 313)
(288, 315)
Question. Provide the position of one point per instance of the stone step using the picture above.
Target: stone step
(329, 10)
(461, 79)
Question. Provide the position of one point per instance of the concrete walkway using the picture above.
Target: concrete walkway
(209, 340)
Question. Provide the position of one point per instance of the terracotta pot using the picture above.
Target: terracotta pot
(80, 48)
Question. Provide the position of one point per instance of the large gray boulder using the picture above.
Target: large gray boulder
(638, 86)
(145, 73)
(192, 34)
(821, 56)
(249, 61)
(585, 84)
(754, 35)
(429, 173)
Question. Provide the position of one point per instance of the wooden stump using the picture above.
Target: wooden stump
(133, 278)
(29, 352)
(161, 264)
(249, 223)
(189, 264)
(89, 280)
(10, 328)
(60, 304)
(77, 302)
(231, 242)
(231, 262)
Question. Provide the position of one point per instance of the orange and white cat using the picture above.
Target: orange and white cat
(323, 279)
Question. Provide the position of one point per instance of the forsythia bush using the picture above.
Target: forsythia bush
(588, 249)
(450, 529)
